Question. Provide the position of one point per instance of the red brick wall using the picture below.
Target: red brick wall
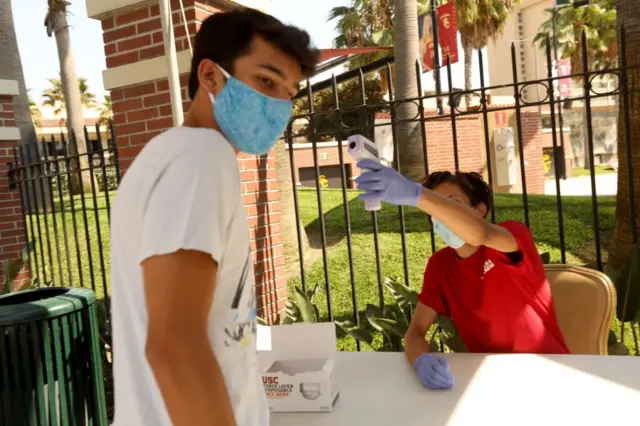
(136, 35)
(143, 110)
(471, 146)
(533, 141)
(12, 238)
(440, 143)
(6, 112)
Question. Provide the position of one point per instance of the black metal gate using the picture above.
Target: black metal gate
(66, 199)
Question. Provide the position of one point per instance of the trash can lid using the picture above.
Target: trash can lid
(43, 303)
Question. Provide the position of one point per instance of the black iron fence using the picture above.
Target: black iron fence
(355, 255)
(65, 198)
(354, 252)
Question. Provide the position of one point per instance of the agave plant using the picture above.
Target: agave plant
(302, 308)
(299, 309)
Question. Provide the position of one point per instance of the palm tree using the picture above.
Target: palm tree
(597, 20)
(407, 54)
(367, 23)
(389, 23)
(87, 98)
(56, 23)
(628, 14)
(370, 23)
(383, 23)
(54, 97)
(480, 21)
(36, 114)
(106, 111)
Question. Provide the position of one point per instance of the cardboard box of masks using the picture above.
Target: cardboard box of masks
(297, 363)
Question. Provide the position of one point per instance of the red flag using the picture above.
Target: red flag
(448, 32)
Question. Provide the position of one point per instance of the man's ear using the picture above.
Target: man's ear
(208, 76)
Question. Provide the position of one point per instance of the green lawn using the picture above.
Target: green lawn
(579, 238)
(602, 169)
(60, 236)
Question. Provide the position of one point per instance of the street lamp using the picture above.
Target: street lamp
(559, 5)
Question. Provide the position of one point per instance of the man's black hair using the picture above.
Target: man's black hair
(224, 37)
(471, 183)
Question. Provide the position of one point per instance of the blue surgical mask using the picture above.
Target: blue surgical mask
(251, 121)
(450, 239)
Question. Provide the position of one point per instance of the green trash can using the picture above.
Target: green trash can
(50, 359)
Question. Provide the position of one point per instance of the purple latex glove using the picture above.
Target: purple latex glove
(382, 183)
(433, 372)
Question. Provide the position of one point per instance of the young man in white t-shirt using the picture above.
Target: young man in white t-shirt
(183, 301)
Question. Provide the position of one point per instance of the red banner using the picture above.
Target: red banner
(427, 52)
(447, 31)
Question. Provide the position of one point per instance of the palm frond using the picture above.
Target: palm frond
(339, 11)
(597, 21)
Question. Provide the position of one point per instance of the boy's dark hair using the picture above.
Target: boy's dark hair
(471, 183)
(224, 37)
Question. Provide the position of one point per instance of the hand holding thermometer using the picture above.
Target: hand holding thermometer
(360, 148)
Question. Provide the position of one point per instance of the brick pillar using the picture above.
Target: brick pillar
(137, 77)
(12, 231)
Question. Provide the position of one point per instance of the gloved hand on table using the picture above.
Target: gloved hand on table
(433, 372)
(382, 183)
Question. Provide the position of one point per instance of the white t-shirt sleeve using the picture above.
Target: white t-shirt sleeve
(186, 210)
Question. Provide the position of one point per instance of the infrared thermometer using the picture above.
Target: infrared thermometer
(360, 148)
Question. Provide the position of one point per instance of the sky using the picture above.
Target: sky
(39, 53)
(40, 59)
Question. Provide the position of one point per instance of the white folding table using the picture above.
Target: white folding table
(381, 389)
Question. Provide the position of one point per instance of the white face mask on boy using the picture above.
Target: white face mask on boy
(450, 239)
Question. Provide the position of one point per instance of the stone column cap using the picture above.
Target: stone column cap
(100, 9)
(9, 88)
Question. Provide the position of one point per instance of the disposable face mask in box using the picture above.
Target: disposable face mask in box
(298, 363)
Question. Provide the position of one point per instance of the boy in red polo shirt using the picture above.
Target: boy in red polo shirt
(490, 279)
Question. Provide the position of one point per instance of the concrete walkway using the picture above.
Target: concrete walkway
(605, 185)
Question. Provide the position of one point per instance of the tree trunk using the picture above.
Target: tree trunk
(287, 208)
(468, 71)
(628, 14)
(78, 182)
(11, 69)
(407, 52)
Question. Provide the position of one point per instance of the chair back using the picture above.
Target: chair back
(585, 301)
